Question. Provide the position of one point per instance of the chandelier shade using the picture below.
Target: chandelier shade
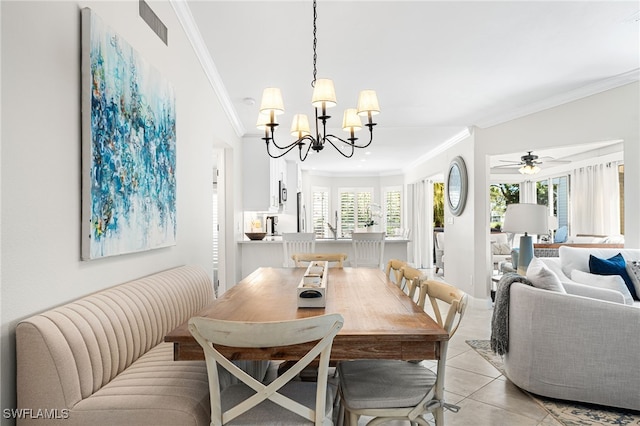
(300, 126)
(272, 101)
(263, 121)
(324, 94)
(351, 120)
(368, 103)
(323, 97)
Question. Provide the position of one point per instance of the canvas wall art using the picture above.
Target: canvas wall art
(128, 147)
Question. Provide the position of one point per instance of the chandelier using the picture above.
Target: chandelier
(324, 97)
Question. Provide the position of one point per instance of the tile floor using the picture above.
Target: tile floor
(485, 396)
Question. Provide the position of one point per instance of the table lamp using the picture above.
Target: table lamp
(527, 218)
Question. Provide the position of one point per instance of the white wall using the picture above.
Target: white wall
(41, 148)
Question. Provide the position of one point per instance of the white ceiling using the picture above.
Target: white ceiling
(438, 66)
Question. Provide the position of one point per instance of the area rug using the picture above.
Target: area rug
(568, 414)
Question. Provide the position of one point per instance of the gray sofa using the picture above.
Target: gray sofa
(101, 360)
(580, 346)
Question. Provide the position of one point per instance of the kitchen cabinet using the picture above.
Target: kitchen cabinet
(277, 180)
(261, 177)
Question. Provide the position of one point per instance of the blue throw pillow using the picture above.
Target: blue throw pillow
(615, 265)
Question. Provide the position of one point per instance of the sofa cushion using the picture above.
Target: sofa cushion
(578, 257)
(500, 248)
(633, 269)
(615, 265)
(542, 277)
(155, 389)
(612, 282)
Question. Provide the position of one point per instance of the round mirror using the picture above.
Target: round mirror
(456, 186)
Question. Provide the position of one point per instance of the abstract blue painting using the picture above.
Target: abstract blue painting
(129, 147)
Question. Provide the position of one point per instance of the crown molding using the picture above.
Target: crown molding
(193, 34)
(563, 98)
(465, 133)
(362, 174)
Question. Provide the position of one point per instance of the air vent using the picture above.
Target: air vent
(153, 21)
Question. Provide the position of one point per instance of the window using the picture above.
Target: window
(355, 209)
(502, 194)
(320, 212)
(554, 192)
(392, 210)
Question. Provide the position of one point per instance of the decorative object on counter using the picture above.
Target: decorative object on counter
(313, 286)
(256, 225)
(255, 236)
(526, 217)
(324, 97)
(374, 211)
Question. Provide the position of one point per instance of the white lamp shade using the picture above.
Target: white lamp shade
(368, 103)
(272, 101)
(263, 119)
(300, 126)
(324, 94)
(526, 218)
(351, 120)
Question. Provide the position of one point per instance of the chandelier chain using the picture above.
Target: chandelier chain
(315, 42)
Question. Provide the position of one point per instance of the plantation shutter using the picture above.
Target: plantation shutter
(393, 211)
(320, 215)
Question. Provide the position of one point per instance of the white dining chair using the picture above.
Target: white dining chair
(394, 272)
(368, 249)
(403, 390)
(297, 242)
(284, 401)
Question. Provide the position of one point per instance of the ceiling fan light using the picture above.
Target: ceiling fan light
(368, 103)
(300, 126)
(272, 101)
(324, 94)
(351, 121)
(529, 169)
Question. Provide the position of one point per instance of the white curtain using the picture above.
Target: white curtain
(595, 200)
(421, 223)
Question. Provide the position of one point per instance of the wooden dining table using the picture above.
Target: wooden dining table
(380, 320)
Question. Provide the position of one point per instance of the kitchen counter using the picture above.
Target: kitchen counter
(269, 251)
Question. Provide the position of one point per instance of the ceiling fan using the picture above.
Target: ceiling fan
(529, 162)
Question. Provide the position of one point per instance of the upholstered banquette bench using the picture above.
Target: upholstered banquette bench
(100, 360)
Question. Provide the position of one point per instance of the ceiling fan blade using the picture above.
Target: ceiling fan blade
(553, 160)
(506, 166)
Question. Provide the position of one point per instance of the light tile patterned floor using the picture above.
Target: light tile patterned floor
(484, 395)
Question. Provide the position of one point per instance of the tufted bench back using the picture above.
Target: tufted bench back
(81, 346)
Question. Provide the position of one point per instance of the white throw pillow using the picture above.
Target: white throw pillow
(542, 277)
(611, 282)
(500, 248)
(633, 269)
